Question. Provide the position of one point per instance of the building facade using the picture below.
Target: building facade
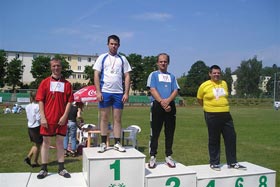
(76, 62)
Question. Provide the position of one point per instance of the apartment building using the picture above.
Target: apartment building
(77, 63)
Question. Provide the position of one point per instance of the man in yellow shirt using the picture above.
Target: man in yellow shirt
(213, 96)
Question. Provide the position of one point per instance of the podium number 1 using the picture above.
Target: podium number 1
(116, 167)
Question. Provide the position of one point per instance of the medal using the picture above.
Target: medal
(112, 68)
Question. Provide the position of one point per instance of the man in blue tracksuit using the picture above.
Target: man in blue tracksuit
(164, 89)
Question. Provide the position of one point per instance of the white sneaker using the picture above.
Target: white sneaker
(237, 166)
(103, 148)
(170, 162)
(119, 147)
(152, 163)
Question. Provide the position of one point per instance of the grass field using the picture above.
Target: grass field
(257, 127)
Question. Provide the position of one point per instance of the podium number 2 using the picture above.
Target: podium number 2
(116, 167)
(173, 180)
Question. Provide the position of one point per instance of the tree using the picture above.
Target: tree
(227, 77)
(135, 62)
(197, 75)
(77, 86)
(89, 74)
(14, 73)
(3, 65)
(41, 69)
(271, 71)
(248, 77)
(141, 68)
(182, 83)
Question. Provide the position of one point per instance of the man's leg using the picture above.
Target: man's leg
(117, 114)
(44, 157)
(45, 149)
(117, 123)
(60, 149)
(60, 157)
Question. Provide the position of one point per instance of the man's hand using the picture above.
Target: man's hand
(44, 122)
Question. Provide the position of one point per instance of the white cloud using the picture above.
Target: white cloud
(68, 31)
(154, 16)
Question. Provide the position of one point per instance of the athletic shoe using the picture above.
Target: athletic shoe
(28, 161)
(215, 167)
(237, 166)
(72, 153)
(64, 173)
(119, 147)
(42, 174)
(152, 163)
(103, 148)
(66, 153)
(170, 162)
(35, 165)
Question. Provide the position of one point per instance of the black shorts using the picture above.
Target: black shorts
(34, 135)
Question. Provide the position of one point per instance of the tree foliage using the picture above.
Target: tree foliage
(41, 69)
(141, 68)
(182, 83)
(3, 65)
(77, 85)
(274, 73)
(226, 76)
(248, 77)
(197, 75)
(89, 74)
(14, 73)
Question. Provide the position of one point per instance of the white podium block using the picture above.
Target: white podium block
(162, 176)
(252, 177)
(113, 168)
(54, 179)
(14, 179)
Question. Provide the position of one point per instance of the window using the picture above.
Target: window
(74, 76)
(89, 59)
(79, 59)
(79, 76)
(79, 68)
(69, 58)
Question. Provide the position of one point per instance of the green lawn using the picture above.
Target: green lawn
(257, 127)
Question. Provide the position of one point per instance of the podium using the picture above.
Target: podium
(128, 169)
(162, 175)
(254, 176)
(113, 168)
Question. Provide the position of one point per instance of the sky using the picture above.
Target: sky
(222, 32)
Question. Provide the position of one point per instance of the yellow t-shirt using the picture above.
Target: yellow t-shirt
(214, 96)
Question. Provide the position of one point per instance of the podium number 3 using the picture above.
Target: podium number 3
(117, 172)
(173, 180)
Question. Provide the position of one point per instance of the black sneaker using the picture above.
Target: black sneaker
(73, 153)
(215, 167)
(64, 173)
(27, 161)
(237, 166)
(42, 174)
